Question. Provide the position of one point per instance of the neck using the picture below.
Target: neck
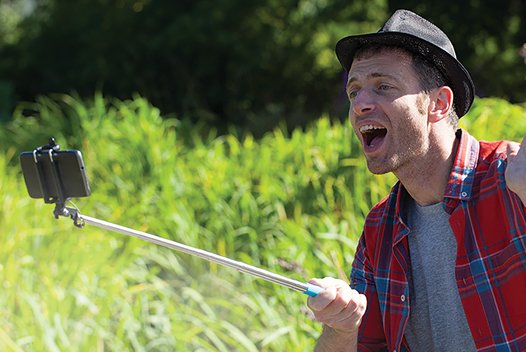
(427, 180)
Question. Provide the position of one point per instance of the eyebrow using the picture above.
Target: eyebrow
(369, 76)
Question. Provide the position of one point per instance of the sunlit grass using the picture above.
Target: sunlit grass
(292, 203)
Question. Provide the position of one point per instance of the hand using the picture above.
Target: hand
(338, 306)
(516, 170)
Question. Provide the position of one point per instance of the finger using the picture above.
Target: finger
(326, 297)
(351, 318)
(356, 307)
(513, 148)
(345, 304)
(322, 299)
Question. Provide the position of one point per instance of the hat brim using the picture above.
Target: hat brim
(454, 72)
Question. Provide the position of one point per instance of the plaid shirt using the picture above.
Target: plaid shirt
(489, 223)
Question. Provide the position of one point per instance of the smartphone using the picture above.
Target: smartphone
(55, 175)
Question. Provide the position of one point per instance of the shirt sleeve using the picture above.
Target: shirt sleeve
(371, 335)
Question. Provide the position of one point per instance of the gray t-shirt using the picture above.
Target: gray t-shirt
(437, 321)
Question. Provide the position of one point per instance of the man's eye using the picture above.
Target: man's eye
(384, 87)
(352, 94)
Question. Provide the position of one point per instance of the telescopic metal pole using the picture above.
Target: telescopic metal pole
(307, 288)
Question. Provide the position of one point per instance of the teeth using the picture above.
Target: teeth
(368, 128)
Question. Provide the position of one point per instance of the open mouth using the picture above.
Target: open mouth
(372, 135)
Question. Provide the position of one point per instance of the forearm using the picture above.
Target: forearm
(333, 341)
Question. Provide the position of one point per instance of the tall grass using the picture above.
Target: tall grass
(291, 202)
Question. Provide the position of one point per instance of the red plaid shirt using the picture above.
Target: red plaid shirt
(489, 223)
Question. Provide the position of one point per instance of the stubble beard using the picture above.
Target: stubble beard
(381, 167)
(398, 161)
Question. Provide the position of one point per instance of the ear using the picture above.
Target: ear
(441, 103)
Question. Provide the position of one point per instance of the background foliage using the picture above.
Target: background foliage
(253, 64)
(167, 151)
(488, 36)
(227, 62)
(292, 202)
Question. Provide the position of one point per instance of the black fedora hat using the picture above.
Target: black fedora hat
(414, 33)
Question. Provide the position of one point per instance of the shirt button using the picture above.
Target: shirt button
(464, 194)
(402, 298)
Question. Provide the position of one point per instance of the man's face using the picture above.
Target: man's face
(388, 110)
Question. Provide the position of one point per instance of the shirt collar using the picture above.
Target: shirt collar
(460, 179)
(462, 172)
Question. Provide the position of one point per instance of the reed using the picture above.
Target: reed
(291, 202)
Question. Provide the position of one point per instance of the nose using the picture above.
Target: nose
(362, 103)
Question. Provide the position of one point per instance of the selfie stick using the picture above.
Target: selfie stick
(61, 197)
(308, 289)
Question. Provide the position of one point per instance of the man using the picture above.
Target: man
(441, 263)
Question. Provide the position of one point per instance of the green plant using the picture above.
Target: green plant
(292, 203)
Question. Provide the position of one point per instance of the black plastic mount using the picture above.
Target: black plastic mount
(59, 200)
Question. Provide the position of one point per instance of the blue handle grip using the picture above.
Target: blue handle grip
(313, 290)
